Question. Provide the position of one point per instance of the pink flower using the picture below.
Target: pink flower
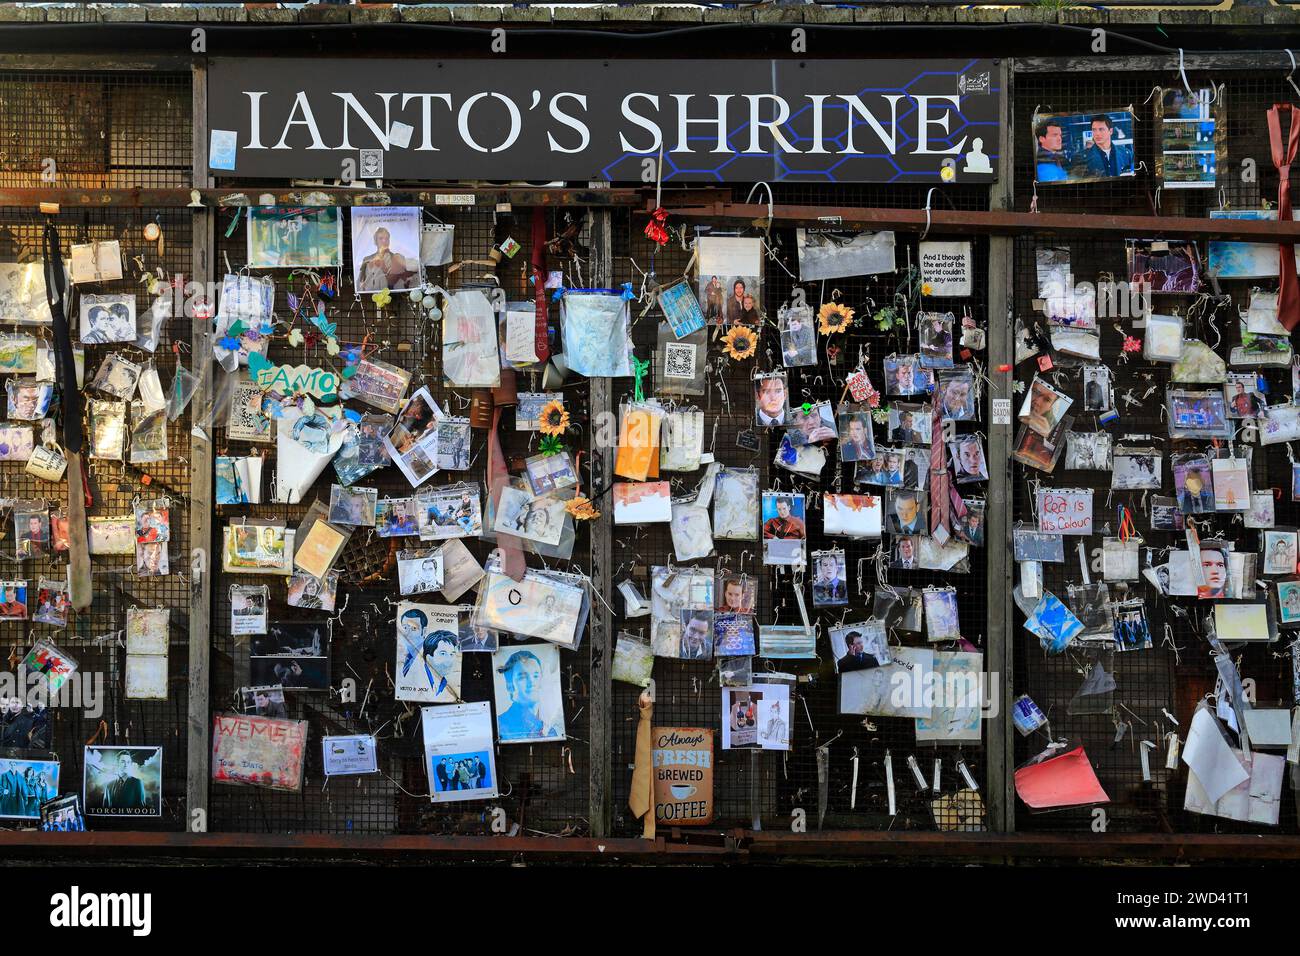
(1131, 344)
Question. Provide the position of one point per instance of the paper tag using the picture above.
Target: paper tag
(454, 199)
(747, 439)
(1001, 411)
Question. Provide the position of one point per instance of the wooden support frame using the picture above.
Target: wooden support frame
(999, 637)
(199, 722)
(601, 643)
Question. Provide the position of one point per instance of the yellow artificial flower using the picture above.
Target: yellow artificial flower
(382, 298)
(741, 342)
(833, 317)
(581, 508)
(554, 420)
(926, 288)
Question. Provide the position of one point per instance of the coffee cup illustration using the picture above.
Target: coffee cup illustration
(683, 790)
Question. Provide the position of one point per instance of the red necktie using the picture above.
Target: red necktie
(512, 555)
(542, 343)
(1288, 297)
(938, 471)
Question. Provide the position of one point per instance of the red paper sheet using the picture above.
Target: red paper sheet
(1064, 781)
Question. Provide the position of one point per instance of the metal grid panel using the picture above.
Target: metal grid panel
(545, 786)
(1177, 672)
(66, 116)
(87, 130)
(768, 787)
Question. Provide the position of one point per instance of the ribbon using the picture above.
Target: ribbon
(541, 339)
(639, 368)
(938, 470)
(512, 555)
(656, 230)
(1288, 297)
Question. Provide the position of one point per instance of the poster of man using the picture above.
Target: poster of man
(386, 248)
(428, 664)
(123, 781)
(527, 686)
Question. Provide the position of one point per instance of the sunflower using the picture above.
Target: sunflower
(581, 508)
(554, 419)
(834, 317)
(927, 288)
(740, 342)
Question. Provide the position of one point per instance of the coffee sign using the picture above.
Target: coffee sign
(683, 775)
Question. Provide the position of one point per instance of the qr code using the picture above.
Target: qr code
(372, 164)
(679, 360)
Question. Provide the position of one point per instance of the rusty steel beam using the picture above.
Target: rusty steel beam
(753, 846)
(996, 222)
(240, 196)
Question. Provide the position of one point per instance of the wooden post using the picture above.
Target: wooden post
(600, 731)
(198, 749)
(999, 742)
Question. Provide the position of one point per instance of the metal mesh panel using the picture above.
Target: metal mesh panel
(86, 130)
(768, 787)
(67, 117)
(1178, 671)
(544, 787)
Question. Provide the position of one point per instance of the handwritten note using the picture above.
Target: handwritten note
(1065, 512)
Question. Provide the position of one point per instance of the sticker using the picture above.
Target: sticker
(1001, 411)
(221, 151)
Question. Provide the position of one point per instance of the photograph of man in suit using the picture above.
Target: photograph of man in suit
(124, 791)
(857, 444)
(856, 656)
(829, 587)
(523, 719)
(1104, 158)
(905, 515)
(903, 432)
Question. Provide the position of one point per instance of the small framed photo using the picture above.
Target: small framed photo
(378, 384)
(1193, 484)
(904, 375)
(313, 593)
(107, 318)
(1088, 451)
(857, 443)
(1279, 551)
(1044, 407)
(956, 392)
(830, 578)
(860, 646)
(550, 473)
(353, 506)
(117, 376)
(936, 339)
(17, 442)
(419, 572)
(968, 461)
(770, 400)
(1034, 450)
(798, 337)
(1288, 603)
(813, 426)
(1198, 414)
(1096, 388)
(906, 511)
(28, 399)
(396, 518)
(1241, 396)
(909, 424)
(1137, 469)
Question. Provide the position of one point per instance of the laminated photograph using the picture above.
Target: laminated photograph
(696, 628)
(681, 442)
(904, 375)
(634, 660)
(1088, 451)
(117, 376)
(1137, 469)
(453, 511)
(1243, 621)
(39, 776)
(395, 518)
(770, 400)
(458, 752)
(107, 318)
(830, 578)
(353, 506)
(952, 555)
(968, 462)
(362, 451)
(730, 270)
(957, 714)
(1044, 407)
(806, 460)
(313, 593)
(757, 717)
(385, 248)
(253, 547)
(248, 603)
(111, 534)
(412, 444)
(1281, 424)
(52, 603)
(534, 518)
(293, 654)
(453, 444)
(428, 664)
(1198, 414)
(681, 308)
(548, 474)
(28, 399)
(639, 503)
(319, 543)
(265, 701)
(258, 751)
(798, 336)
(784, 531)
(526, 683)
(95, 261)
(148, 434)
(17, 442)
(843, 255)
(1231, 479)
(736, 505)
(351, 755)
(146, 677)
(1083, 147)
(52, 667)
(537, 607)
(909, 424)
(733, 635)
(419, 572)
(817, 424)
(378, 384)
(856, 516)
(692, 532)
(1158, 267)
(305, 444)
(22, 292)
(874, 691)
(942, 622)
(292, 237)
(857, 443)
(860, 646)
(956, 395)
